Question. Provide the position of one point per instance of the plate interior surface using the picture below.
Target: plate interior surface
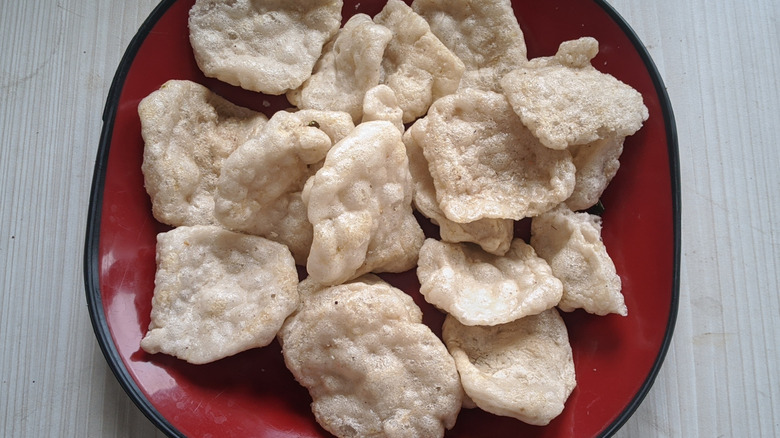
(252, 393)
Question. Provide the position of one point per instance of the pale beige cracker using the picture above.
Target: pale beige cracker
(523, 369)
(218, 293)
(188, 132)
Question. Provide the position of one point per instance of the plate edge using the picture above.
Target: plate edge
(674, 172)
(92, 241)
(91, 268)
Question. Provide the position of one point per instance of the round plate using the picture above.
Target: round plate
(252, 393)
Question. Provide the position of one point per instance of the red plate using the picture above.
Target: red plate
(252, 393)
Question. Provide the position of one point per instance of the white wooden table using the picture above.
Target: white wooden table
(719, 60)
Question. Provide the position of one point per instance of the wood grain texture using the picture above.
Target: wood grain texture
(57, 63)
(720, 62)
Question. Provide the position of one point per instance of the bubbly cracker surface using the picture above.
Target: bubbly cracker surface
(479, 288)
(380, 103)
(565, 101)
(416, 65)
(484, 34)
(485, 163)
(259, 189)
(188, 132)
(266, 46)
(492, 235)
(597, 163)
(359, 203)
(571, 243)
(218, 293)
(350, 66)
(372, 368)
(523, 369)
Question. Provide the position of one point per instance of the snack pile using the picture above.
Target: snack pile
(431, 107)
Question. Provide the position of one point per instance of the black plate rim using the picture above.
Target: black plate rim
(674, 171)
(91, 262)
(92, 244)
